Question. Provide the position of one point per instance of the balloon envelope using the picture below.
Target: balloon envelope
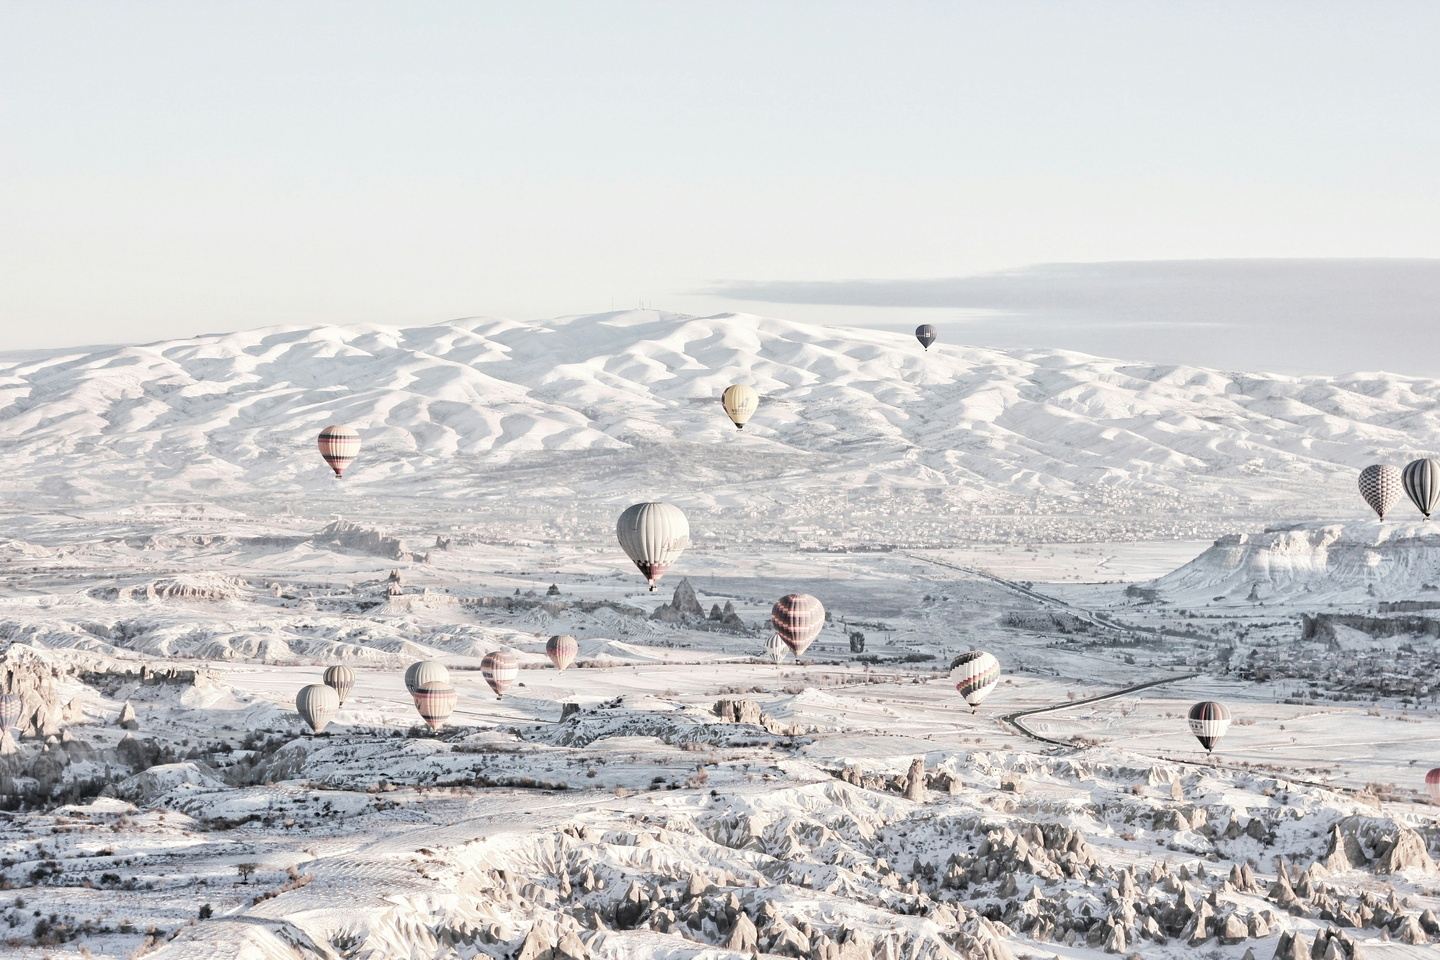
(775, 648)
(339, 445)
(653, 535)
(562, 650)
(1432, 785)
(435, 700)
(1421, 480)
(798, 619)
(317, 705)
(10, 708)
(740, 403)
(1380, 485)
(341, 679)
(1209, 721)
(925, 334)
(500, 669)
(425, 671)
(975, 674)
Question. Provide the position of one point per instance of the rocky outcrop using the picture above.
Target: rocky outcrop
(345, 535)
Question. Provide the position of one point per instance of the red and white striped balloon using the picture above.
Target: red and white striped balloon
(562, 650)
(500, 669)
(436, 701)
(339, 445)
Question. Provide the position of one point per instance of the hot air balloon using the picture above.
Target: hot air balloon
(562, 650)
(798, 619)
(318, 705)
(339, 445)
(925, 334)
(341, 680)
(11, 707)
(1432, 785)
(435, 699)
(500, 669)
(775, 648)
(1209, 721)
(1421, 480)
(1380, 485)
(740, 403)
(653, 535)
(975, 674)
(425, 671)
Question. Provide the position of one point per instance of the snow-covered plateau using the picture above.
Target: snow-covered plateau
(1127, 539)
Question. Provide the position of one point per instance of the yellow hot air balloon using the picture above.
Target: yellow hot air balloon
(740, 403)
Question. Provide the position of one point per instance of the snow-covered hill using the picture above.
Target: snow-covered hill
(594, 410)
(1315, 563)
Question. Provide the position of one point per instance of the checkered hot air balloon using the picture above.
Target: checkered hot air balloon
(339, 445)
(562, 650)
(435, 700)
(340, 679)
(653, 535)
(975, 674)
(1380, 485)
(1209, 721)
(798, 619)
(740, 403)
(500, 669)
(1421, 480)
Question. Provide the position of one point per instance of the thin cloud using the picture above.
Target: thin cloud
(1292, 314)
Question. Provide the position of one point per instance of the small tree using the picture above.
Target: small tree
(246, 871)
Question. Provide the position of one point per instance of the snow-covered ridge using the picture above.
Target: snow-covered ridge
(1330, 562)
(450, 402)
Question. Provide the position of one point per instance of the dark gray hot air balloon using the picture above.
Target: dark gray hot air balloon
(341, 680)
(653, 535)
(1209, 721)
(925, 334)
(1421, 479)
(317, 705)
(1380, 485)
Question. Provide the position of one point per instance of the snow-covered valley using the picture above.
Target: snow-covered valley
(178, 563)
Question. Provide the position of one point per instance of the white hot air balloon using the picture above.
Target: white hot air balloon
(339, 445)
(425, 671)
(318, 705)
(653, 535)
(740, 403)
(775, 648)
(342, 679)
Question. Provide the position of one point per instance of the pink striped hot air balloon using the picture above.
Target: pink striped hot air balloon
(500, 668)
(1432, 785)
(339, 445)
(435, 700)
(562, 650)
(798, 619)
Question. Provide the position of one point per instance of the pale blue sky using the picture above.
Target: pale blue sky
(173, 168)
